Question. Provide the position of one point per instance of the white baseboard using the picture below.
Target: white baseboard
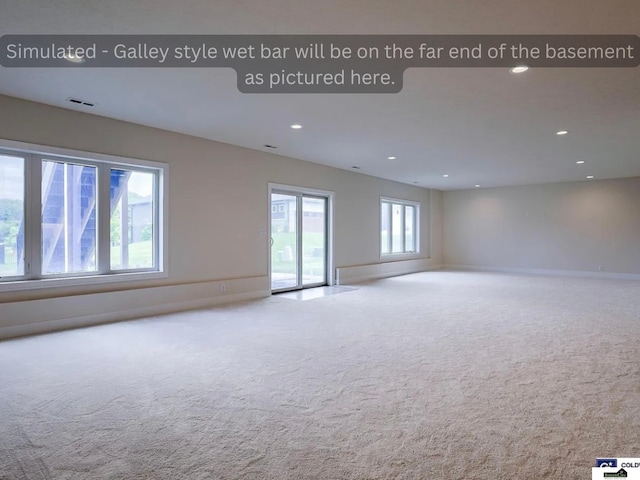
(537, 271)
(365, 273)
(51, 314)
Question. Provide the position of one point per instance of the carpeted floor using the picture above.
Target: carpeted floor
(446, 375)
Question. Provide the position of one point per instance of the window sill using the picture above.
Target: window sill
(390, 257)
(22, 285)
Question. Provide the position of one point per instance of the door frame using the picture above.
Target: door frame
(297, 190)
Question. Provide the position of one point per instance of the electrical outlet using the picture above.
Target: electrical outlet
(223, 287)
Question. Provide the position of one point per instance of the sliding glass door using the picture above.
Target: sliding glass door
(314, 241)
(298, 241)
(285, 266)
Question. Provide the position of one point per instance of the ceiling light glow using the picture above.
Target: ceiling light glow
(590, 177)
(519, 69)
(580, 162)
(70, 57)
(296, 126)
(445, 176)
(562, 132)
(391, 158)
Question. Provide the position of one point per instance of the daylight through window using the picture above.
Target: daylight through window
(398, 227)
(66, 217)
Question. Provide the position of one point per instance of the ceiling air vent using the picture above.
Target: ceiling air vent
(77, 101)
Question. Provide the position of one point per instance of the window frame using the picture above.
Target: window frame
(33, 278)
(416, 227)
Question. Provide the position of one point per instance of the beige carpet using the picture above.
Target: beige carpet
(445, 375)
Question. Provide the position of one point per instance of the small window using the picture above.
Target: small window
(398, 227)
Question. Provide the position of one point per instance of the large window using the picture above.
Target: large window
(63, 216)
(398, 227)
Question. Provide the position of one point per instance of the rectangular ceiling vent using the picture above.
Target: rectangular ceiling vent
(77, 101)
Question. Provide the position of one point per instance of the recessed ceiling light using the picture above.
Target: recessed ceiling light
(519, 69)
(70, 57)
(445, 175)
(590, 177)
(562, 132)
(477, 186)
(391, 158)
(580, 162)
(296, 126)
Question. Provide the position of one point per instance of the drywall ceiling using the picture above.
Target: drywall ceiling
(480, 126)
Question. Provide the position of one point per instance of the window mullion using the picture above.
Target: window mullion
(103, 257)
(403, 228)
(157, 223)
(33, 220)
(416, 229)
(390, 234)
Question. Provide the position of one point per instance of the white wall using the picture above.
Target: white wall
(217, 206)
(560, 227)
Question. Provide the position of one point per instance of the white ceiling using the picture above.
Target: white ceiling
(478, 125)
